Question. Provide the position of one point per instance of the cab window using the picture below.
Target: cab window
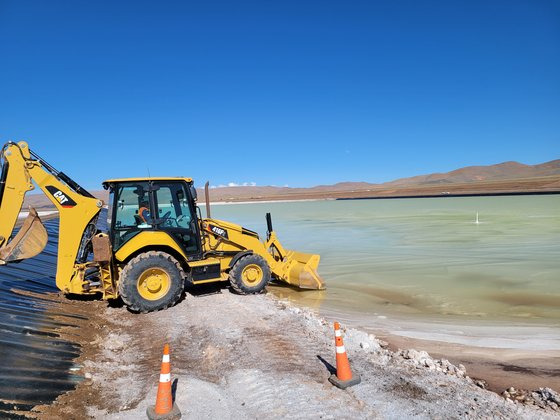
(176, 215)
(173, 206)
(131, 211)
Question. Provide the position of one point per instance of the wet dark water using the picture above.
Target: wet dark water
(35, 362)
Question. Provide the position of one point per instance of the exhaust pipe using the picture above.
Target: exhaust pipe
(207, 196)
(268, 226)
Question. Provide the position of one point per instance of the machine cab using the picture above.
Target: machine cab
(163, 204)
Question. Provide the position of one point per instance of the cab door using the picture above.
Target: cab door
(175, 213)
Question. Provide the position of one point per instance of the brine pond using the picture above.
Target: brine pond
(421, 266)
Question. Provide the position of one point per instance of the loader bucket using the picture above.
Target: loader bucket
(29, 241)
(300, 270)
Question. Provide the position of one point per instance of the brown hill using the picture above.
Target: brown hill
(506, 170)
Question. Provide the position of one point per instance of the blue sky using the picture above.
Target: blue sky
(297, 93)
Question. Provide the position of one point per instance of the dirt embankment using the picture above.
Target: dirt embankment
(257, 357)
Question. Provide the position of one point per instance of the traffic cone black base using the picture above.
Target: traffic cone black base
(345, 384)
(174, 414)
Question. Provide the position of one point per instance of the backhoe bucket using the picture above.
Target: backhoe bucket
(300, 270)
(29, 241)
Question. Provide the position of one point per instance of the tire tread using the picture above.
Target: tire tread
(129, 300)
(235, 274)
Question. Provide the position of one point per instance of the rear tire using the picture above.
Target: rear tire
(249, 275)
(151, 281)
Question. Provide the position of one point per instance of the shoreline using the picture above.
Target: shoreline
(223, 343)
(451, 195)
(522, 355)
(360, 195)
(501, 368)
(508, 360)
(507, 347)
(271, 199)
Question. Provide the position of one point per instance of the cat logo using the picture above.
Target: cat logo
(219, 231)
(62, 198)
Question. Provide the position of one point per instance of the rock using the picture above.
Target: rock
(538, 399)
(550, 395)
(408, 354)
(420, 359)
(424, 355)
(383, 359)
(462, 368)
(481, 383)
(364, 340)
(87, 375)
(511, 390)
(546, 397)
(415, 355)
(383, 344)
(429, 363)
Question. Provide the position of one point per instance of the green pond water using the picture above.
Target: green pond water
(424, 259)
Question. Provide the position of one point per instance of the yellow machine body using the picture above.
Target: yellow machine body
(295, 268)
(219, 243)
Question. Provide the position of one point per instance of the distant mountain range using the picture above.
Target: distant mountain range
(492, 178)
(500, 178)
(506, 170)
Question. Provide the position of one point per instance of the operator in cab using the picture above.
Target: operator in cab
(144, 212)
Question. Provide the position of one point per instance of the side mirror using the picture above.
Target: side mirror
(193, 192)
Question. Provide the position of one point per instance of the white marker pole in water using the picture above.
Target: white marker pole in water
(476, 221)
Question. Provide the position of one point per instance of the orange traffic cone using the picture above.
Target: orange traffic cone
(165, 408)
(343, 378)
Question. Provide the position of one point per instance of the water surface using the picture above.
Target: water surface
(425, 259)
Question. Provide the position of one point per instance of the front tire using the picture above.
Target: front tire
(151, 281)
(249, 275)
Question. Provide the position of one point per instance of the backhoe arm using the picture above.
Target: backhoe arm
(15, 181)
(77, 209)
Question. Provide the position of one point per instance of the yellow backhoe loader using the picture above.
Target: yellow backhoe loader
(157, 239)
